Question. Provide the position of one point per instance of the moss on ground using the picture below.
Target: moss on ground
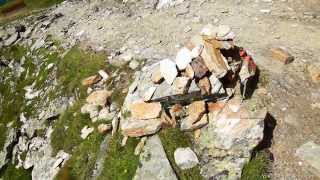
(257, 168)
(9, 172)
(173, 138)
(120, 162)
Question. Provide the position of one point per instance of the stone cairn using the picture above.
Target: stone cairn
(205, 71)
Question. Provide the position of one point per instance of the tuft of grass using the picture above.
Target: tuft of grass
(82, 162)
(75, 66)
(173, 138)
(11, 173)
(120, 162)
(257, 168)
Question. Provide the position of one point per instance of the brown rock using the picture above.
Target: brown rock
(204, 85)
(189, 71)
(180, 85)
(281, 55)
(199, 68)
(215, 106)
(195, 111)
(142, 110)
(99, 97)
(137, 128)
(166, 120)
(140, 146)
(186, 125)
(103, 128)
(156, 76)
(91, 80)
(176, 110)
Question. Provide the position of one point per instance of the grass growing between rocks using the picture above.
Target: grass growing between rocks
(11, 173)
(173, 138)
(120, 162)
(257, 168)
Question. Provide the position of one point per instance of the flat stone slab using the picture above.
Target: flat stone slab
(310, 154)
(154, 162)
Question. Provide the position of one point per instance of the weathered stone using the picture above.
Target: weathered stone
(199, 68)
(10, 138)
(13, 38)
(210, 31)
(134, 64)
(310, 153)
(38, 44)
(105, 76)
(204, 85)
(156, 76)
(183, 58)
(196, 51)
(195, 111)
(167, 3)
(85, 132)
(168, 70)
(282, 55)
(90, 109)
(223, 30)
(99, 97)
(142, 110)
(154, 162)
(149, 93)
(105, 114)
(216, 85)
(193, 87)
(186, 125)
(180, 85)
(140, 146)
(91, 80)
(189, 71)
(137, 128)
(164, 89)
(185, 158)
(104, 128)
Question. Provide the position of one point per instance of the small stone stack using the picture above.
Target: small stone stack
(200, 67)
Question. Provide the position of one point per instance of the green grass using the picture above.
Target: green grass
(172, 139)
(120, 162)
(9, 172)
(257, 168)
(76, 66)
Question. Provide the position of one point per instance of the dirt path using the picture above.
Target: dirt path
(139, 29)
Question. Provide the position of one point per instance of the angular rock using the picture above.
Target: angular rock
(104, 128)
(196, 51)
(310, 153)
(199, 68)
(187, 126)
(185, 158)
(189, 71)
(210, 31)
(282, 55)
(13, 38)
(85, 132)
(204, 85)
(134, 64)
(91, 80)
(162, 4)
(154, 162)
(314, 72)
(99, 97)
(140, 146)
(142, 110)
(90, 109)
(164, 89)
(223, 30)
(195, 111)
(137, 128)
(105, 76)
(156, 76)
(180, 85)
(105, 114)
(38, 44)
(216, 85)
(168, 70)
(149, 93)
(183, 58)
(193, 87)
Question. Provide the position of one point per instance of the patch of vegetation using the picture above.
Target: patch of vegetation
(83, 159)
(173, 138)
(257, 168)
(75, 66)
(11, 173)
(120, 162)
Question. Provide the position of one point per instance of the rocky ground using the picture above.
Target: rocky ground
(144, 32)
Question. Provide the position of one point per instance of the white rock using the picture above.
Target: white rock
(103, 74)
(85, 132)
(223, 30)
(209, 30)
(196, 51)
(168, 3)
(149, 93)
(133, 64)
(168, 70)
(185, 158)
(216, 85)
(183, 58)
